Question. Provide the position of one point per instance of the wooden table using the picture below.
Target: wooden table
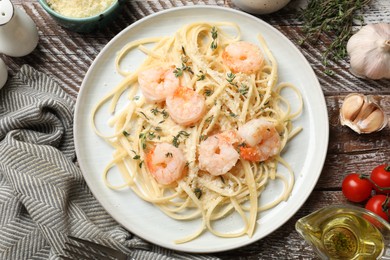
(66, 56)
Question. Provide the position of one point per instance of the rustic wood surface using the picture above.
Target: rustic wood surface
(67, 55)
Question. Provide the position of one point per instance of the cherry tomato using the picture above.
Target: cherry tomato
(355, 188)
(380, 175)
(377, 205)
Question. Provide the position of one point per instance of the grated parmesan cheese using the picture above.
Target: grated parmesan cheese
(79, 8)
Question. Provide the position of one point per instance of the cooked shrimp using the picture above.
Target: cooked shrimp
(231, 137)
(262, 141)
(243, 57)
(217, 154)
(185, 106)
(166, 163)
(157, 83)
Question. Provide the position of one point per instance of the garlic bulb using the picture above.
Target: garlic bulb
(369, 51)
(362, 114)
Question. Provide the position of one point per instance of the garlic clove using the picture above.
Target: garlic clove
(352, 105)
(373, 122)
(362, 114)
(365, 111)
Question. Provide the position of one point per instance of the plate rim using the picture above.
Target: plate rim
(320, 158)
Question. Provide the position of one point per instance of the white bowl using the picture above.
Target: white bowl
(260, 6)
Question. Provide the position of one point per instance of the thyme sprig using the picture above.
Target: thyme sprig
(184, 66)
(179, 71)
(214, 36)
(230, 77)
(176, 139)
(243, 89)
(155, 111)
(334, 18)
(142, 137)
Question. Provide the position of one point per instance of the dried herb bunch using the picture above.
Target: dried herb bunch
(335, 18)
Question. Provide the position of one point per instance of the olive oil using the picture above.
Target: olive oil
(338, 234)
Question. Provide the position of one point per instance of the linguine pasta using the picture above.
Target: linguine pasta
(231, 100)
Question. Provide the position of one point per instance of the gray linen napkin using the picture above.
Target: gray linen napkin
(43, 196)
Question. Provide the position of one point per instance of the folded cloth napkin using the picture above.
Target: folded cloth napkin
(43, 196)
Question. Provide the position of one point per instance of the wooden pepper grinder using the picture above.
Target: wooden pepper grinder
(18, 32)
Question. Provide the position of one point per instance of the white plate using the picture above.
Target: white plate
(306, 153)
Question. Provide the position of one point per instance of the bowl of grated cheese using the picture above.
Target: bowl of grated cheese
(82, 15)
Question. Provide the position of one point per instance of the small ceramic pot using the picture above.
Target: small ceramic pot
(3, 73)
(260, 6)
(18, 32)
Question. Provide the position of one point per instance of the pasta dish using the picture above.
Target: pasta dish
(204, 127)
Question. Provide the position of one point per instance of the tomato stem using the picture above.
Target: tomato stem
(387, 167)
(363, 176)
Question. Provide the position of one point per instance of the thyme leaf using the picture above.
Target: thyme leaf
(198, 192)
(201, 76)
(183, 50)
(164, 113)
(146, 117)
(208, 92)
(140, 164)
(203, 137)
(243, 144)
(233, 115)
(151, 135)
